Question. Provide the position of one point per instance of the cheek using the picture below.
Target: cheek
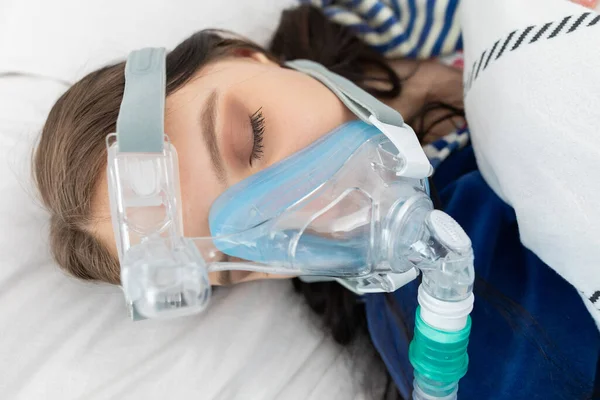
(236, 141)
(198, 192)
(199, 185)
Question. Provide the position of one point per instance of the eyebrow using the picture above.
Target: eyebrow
(208, 121)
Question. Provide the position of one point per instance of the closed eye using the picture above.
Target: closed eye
(257, 121)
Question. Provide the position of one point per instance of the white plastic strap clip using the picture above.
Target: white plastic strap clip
(404, 138)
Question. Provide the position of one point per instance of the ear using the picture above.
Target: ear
(255, 55)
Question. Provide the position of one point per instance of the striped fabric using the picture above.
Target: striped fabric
(400, 28)
(439, 150)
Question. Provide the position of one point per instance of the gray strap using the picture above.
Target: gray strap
(356, 99)
(140, 124)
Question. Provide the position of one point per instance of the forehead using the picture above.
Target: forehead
(218, 74)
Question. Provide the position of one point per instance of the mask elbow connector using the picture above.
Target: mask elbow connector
(438, 351)
(445, 257)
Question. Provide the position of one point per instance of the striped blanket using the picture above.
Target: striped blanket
(400, 28)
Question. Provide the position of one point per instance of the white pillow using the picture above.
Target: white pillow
(64, 339)
(533, 112)
(66, 39)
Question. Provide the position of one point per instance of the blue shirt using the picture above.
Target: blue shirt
(532, 337)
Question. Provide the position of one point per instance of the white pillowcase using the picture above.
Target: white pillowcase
(66, 39)
(534, 115)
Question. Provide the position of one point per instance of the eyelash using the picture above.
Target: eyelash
(257, 121)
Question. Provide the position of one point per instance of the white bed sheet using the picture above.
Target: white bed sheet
(64, 339)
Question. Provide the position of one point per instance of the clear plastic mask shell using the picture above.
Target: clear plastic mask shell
(337, 224)
(162, 273)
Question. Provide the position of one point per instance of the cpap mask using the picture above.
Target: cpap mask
(353, 207)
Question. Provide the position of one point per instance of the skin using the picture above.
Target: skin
(587, 3)
(227, 93)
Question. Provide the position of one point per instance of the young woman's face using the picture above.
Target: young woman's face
(209, 121)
